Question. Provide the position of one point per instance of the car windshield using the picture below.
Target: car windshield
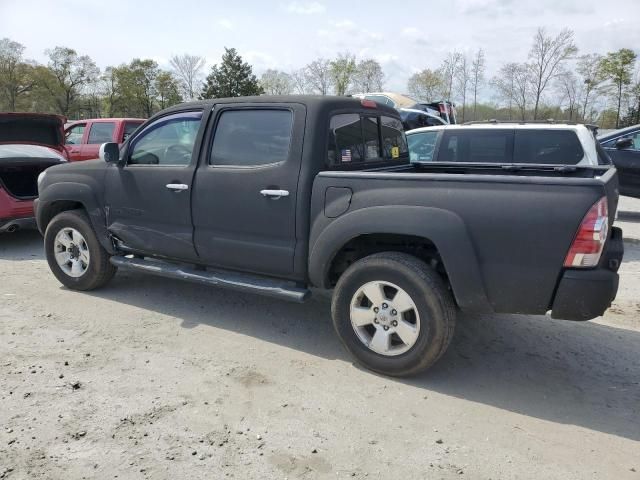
(422, 146)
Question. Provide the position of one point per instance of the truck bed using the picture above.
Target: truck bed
(502, 233)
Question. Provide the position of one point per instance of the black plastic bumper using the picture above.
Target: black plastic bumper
(586, 294)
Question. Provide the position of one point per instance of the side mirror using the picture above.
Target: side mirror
(110, 152)
(624, 142)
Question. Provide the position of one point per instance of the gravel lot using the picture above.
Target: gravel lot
(150, 378)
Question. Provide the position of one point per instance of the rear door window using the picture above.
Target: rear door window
(549, 147)
(476, 146)
(394, 143)
(101, 132)
(345, 139)
(246, 138)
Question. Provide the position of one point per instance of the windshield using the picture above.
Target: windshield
(422, 146)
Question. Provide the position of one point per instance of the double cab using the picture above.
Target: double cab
(276, 195)
(84, 137)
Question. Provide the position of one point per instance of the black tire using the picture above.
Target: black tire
(98, 272)
(431, 297)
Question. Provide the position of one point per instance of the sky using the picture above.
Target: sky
(404, 36)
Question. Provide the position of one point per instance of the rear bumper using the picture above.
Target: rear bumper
(587, 294)
(15, 213)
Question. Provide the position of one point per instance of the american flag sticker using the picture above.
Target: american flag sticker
(345, 155)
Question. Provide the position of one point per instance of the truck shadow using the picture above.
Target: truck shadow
(585, 374)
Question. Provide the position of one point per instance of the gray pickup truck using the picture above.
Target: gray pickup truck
(276, 195)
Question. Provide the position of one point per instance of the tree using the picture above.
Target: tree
(448, 71)
(167, 89)
(16, 76)
(568, 86)
(137, 87)
(618, 67)
(547, 55)
(512, 84)
(589, 67)
(299, 81)
(188, 69)
(463, 77)
(342, 71)
(427, 85)
(275, 82)
(70, 74)
(477, 77)
(318, 76)
(233, 78)
(369, 76)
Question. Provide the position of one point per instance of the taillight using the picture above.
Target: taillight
(587, 246)
(368, 103)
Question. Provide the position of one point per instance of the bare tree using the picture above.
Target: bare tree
(318, 76)
(512, 84)
(567, 84)
(463, 77)
(448, 70)
(369, 76)
(477, 77)
(188, 69)
(589, 67)
(275, 82)
(427, 85)
(299, 81)
(547, 55)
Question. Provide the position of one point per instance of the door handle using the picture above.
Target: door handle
(274, 194)
(177, 187)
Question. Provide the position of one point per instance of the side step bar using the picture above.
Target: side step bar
(218, 278)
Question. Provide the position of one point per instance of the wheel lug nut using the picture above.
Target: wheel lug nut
(384, 305)
(375, 320)
(376, 309)
(393, 312)
(394, 323)
(386, 328)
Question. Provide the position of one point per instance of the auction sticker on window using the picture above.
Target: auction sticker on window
(395, 152)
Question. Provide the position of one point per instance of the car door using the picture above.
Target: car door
(74, 136)
(245, 190)
(148, 198)
(99, 133)
(627, 162)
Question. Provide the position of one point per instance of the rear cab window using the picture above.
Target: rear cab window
(129, 128)
(358, 140)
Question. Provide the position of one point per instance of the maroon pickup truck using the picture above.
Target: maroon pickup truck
(84, 137)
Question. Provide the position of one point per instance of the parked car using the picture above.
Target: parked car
(507, 143)
(84, 137)
(29, 143)
(623, 146)
(412, 119)
(275, 195)
(443, 109)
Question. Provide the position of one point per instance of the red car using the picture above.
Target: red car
(84, 137)
(29, 143)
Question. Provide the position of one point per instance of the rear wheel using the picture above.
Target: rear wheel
(74, 253)
(393, 313)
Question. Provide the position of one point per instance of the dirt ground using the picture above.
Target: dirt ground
(157, 379)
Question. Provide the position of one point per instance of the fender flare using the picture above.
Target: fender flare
(77, 193)
(445, 229)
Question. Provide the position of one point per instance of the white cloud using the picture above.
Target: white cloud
(225, 23)
(305, 8)
(411, 32)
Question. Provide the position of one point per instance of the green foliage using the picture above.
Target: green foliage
(428, 85)
(342, 71)
(232, 78)
(618, 68)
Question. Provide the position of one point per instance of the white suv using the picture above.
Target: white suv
(507, 143)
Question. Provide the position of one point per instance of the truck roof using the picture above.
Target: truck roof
(320, 103)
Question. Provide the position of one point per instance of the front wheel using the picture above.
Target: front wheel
(393, 313)
(74, 253)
